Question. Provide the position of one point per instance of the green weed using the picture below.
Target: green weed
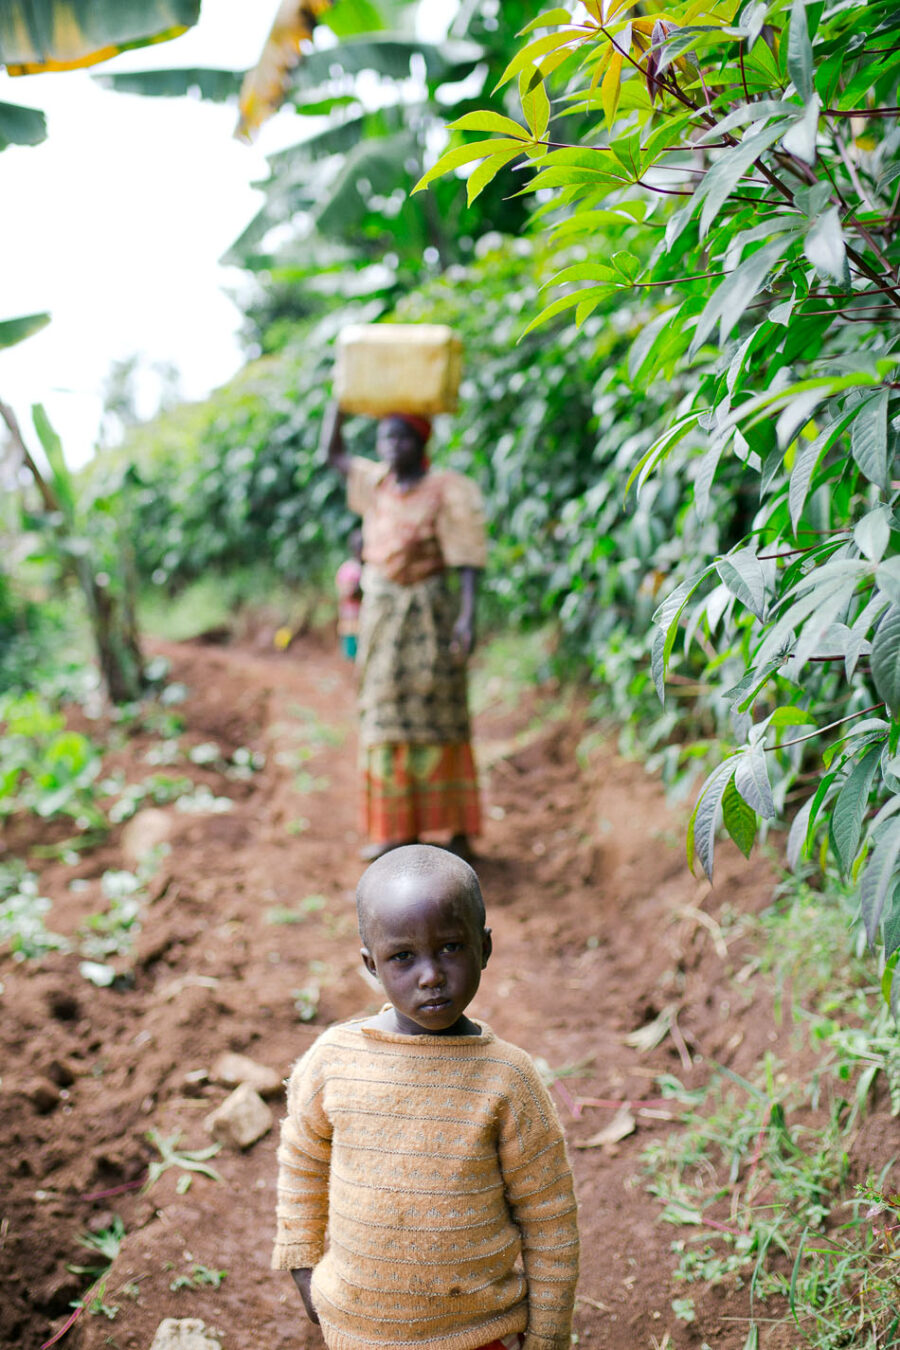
(47, 769)
(760, 1168)
(22, 910)
(199, 1276)
(187, 1160)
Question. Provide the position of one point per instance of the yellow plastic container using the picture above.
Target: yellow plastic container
(397, 367)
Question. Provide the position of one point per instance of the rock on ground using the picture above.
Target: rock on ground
(233, 1069)
(184, 1333)
(242, 1118)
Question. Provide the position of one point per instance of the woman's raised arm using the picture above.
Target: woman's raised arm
(331, 442)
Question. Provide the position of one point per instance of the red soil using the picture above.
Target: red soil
(597, 926)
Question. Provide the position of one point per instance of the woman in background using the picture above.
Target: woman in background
(415, 634)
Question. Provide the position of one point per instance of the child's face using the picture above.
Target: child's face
(428, 949)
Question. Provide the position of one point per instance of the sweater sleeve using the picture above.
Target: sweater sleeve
(541, 1197)
(304, 1157)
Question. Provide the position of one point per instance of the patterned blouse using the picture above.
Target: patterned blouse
(410, 534)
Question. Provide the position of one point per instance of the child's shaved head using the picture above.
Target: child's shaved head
(412, 863)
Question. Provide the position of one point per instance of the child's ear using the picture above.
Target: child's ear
(368, 962)
(487, 946)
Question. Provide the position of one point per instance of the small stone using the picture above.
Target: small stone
(233, 1069)
(184, 1333)
(241, 1119)
(145, 832)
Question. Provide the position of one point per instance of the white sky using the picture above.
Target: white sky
(115, 225)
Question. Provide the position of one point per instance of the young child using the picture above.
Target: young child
(348, 580)
(428, 1147)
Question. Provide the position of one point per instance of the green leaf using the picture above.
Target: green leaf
(825, 248)
(16, 330)
(892, 926)
(52, 447)
(729, 300)
(21, 126)
(701, 839)
(872, 534)
(798, 833)
(535, 106)
(799, 53)
(850, 809)
(216, 86)
(869, 438)
(739, 818)
(486, 172)
(751, 778)
(800, 139)
(721, 180)
(887, 579)
(530, 54)
(347, 18)
(805, 460)
(567, 302)
(743, 575)
(465, 154)
(886, 659)
(878, 877)
(549, 19)
(490, 121)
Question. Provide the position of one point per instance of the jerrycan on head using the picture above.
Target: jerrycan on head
(397, 367)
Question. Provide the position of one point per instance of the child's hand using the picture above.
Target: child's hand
(302, 1280)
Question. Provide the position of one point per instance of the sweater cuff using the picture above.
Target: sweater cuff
(552, 1341)
(295, 1256)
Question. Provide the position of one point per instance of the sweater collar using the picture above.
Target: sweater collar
(426, 1040)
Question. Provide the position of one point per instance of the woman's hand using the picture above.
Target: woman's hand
(302, 1280)
(462, 643)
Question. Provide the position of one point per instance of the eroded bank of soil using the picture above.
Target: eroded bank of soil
(597, 924)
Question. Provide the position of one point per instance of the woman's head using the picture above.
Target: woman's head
(401, 442)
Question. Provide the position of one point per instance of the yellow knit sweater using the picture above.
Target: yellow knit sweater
(439, 1167)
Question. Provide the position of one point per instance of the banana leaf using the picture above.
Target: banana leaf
(45, 35)
(265, 86)
(16, 330)
(217, 86)
(21, 126)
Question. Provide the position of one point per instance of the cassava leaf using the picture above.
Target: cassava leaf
(739, 818)
(886, 659)
(869, 438)
(742, 573)
(751, 778)
(850, 809)
(879, 875)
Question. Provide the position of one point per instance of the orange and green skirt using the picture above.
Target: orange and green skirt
(418, 772)
(410, 790)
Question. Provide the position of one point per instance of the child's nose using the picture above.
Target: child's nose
(430, 976)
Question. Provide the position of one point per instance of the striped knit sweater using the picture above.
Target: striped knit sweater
(439, 1166)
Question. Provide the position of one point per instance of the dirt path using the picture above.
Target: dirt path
(597, 924)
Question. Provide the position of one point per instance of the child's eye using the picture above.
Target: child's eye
(453, 946)
(401, 956)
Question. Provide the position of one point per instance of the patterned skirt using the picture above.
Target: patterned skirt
(417, 765)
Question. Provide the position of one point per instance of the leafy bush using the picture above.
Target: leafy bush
(47, 768)
(751, 161)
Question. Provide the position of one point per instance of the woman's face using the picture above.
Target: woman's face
(399, 446)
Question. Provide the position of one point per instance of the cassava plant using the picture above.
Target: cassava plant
(745, 157)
